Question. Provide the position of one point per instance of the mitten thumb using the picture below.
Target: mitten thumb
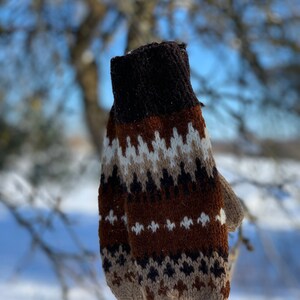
(232, 205)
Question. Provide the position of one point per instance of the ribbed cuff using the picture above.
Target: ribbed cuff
(153, 79)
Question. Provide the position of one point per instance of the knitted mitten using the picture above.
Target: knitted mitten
(173, 198)
(158, 163)
(122, 278)
(120, 271)
(117, 262)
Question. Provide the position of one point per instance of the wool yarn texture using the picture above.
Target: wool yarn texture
(164, 209)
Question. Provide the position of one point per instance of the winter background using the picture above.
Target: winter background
(270, 271)
(245, 65)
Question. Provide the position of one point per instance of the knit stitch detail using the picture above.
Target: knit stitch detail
(194, 275)
(147, 75)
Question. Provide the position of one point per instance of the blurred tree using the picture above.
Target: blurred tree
(256, 43)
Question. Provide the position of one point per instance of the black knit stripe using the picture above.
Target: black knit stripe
(153, 193)
(193, 255)
(209, 263)
(114, 248)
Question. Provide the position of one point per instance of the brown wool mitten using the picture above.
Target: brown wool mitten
(161, 198)
(120, 271)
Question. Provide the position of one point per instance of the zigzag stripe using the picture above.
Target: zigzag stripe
(139, 160)
(184, 188)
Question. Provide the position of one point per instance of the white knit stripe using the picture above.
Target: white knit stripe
(170, 225)
(186, 222)
(203, 219)
(111, 218)
(140, 159)
(137, 228)
(221, 217)
(153, 226)
(124, 219)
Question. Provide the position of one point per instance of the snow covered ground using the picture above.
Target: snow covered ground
(271, 271)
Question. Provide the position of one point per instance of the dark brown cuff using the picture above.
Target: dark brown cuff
(151, 80)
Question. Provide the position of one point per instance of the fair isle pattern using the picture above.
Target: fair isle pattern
(120, 273)
(193, 276)
(137, 160)
(170, 225)
(125, 166)
(133, 164)
(162, 223)
(191, 280)
(221, 217)
(111, 218)
(137, 228)
(153, 226)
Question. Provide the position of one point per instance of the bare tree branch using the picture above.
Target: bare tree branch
(141, 23)
(87, 72)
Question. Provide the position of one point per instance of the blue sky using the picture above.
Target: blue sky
(214, 65)
(201, 59)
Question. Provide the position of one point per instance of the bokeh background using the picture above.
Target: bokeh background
(55, 95)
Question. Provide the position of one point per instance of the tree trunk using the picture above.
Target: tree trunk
(141, 24)
(87, 73)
